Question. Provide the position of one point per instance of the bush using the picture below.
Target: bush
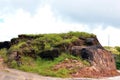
(117, 48)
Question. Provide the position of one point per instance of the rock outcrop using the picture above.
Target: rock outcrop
(101, 60)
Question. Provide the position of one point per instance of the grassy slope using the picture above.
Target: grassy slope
(42, 66)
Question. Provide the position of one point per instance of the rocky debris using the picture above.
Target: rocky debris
(93, 72)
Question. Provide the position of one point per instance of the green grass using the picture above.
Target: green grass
(27, 44)
(45, 67)
(42, 42)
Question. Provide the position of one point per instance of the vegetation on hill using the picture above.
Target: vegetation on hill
(33, 50)
(49, 54)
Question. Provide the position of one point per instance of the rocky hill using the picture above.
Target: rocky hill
(51, 46)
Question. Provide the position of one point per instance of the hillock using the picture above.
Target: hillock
(72, 54)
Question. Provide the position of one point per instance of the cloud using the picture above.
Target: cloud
(56, 16)
(10, 6)
(89, 11)
(108, 36)
(44, 21)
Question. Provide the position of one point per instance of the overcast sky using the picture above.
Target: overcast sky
(100, 17)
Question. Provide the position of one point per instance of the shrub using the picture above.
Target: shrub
(117, 48)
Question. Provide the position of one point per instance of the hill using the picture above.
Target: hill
(73, 54)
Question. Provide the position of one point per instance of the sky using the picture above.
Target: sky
(100, 17)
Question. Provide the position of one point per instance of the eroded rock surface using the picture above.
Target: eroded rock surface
(102, 61)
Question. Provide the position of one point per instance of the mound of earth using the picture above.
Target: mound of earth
(50, 46)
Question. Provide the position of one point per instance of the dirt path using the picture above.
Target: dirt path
(12, 74)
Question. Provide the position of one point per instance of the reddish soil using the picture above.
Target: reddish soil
(78, 69)
(93, 73)
(69, 64)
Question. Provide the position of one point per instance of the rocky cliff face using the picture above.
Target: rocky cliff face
(102, 61)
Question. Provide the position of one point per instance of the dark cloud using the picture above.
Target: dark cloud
(89, 11)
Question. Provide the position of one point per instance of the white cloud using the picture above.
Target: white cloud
(44, 21)
(108, 36)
